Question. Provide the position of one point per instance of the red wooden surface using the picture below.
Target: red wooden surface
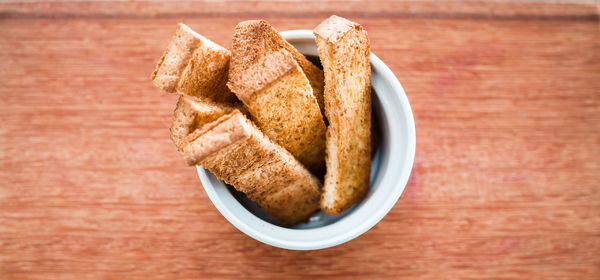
(506, 181)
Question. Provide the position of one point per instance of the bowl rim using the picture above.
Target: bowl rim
(370, 220)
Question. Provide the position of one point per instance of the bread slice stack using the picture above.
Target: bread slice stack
(274, 145)
(279, 97)
(195, 68)
(237, 152)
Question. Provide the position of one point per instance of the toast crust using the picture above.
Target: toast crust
(237, 152)
(193, 65)
(254, 39)
(175, 58)
(246, 84)
(334, 28)
(216, 135)
(344, 51)
(280, 100)
(191, 114)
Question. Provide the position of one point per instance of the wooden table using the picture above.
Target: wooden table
(506, 181)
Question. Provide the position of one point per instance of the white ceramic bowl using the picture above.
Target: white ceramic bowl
(391, 168)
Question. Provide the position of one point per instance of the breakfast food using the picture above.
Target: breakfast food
(191, 114)
(194, 66)
(276, 144)
(254, 39)
(237, 152)
(281, 101)
(344, 51)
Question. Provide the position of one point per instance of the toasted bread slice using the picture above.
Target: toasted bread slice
(281, 102)
(238, 153)
(344, 51)
(191, 114)
(254, 39)
(195, 66)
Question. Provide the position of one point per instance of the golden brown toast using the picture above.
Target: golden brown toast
(254, 39)
(344, 52)
(281, 102)
(195, 66)
(191, 114)
(238, 153)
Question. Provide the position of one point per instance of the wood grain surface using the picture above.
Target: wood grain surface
(506, 181)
